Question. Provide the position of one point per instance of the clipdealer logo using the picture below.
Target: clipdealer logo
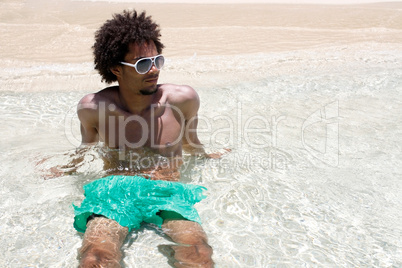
(241, 131)
(328, 118)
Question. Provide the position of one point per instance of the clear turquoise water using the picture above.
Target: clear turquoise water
(313, 179)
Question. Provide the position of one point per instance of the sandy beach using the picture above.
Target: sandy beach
(62, 31)
(55, 37)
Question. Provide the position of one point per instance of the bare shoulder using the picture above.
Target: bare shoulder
(183, 97)
(179, 94)
(88, 101)
(87, 107)
(92, 99)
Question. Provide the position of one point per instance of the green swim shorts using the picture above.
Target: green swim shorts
(131, 200)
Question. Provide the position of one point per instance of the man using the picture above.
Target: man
(139, 115)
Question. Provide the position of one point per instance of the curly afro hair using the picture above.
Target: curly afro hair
(113, 38)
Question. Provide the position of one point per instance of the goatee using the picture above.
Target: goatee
(146, 92)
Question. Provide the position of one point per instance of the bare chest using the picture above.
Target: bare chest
(160, 130)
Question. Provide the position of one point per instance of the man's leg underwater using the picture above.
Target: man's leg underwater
(102, 243)
(192, 249)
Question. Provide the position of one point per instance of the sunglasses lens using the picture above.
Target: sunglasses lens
(144, 65)
(159, 61)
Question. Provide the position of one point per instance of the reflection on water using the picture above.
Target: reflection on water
(275, 199)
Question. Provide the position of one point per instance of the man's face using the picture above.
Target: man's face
(145, 84)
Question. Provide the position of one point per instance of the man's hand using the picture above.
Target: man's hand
(76, 160)
(218, 154)
(200, 151)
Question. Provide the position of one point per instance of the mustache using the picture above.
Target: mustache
(149, 77)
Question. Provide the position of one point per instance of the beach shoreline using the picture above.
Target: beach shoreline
(63, 31)
(50, 42)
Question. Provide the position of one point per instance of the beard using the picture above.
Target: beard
(147, 92)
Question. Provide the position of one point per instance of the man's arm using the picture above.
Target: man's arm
(189, 103)
(87, 111)
(190, 141)
(189, 107)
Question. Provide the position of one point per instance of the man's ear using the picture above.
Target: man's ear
(116, 70)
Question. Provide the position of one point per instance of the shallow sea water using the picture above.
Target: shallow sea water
(313, 122)
(313, 178)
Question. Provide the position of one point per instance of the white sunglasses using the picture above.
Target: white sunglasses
(142, 66)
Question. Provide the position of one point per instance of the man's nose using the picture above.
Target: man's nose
(153, 68)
